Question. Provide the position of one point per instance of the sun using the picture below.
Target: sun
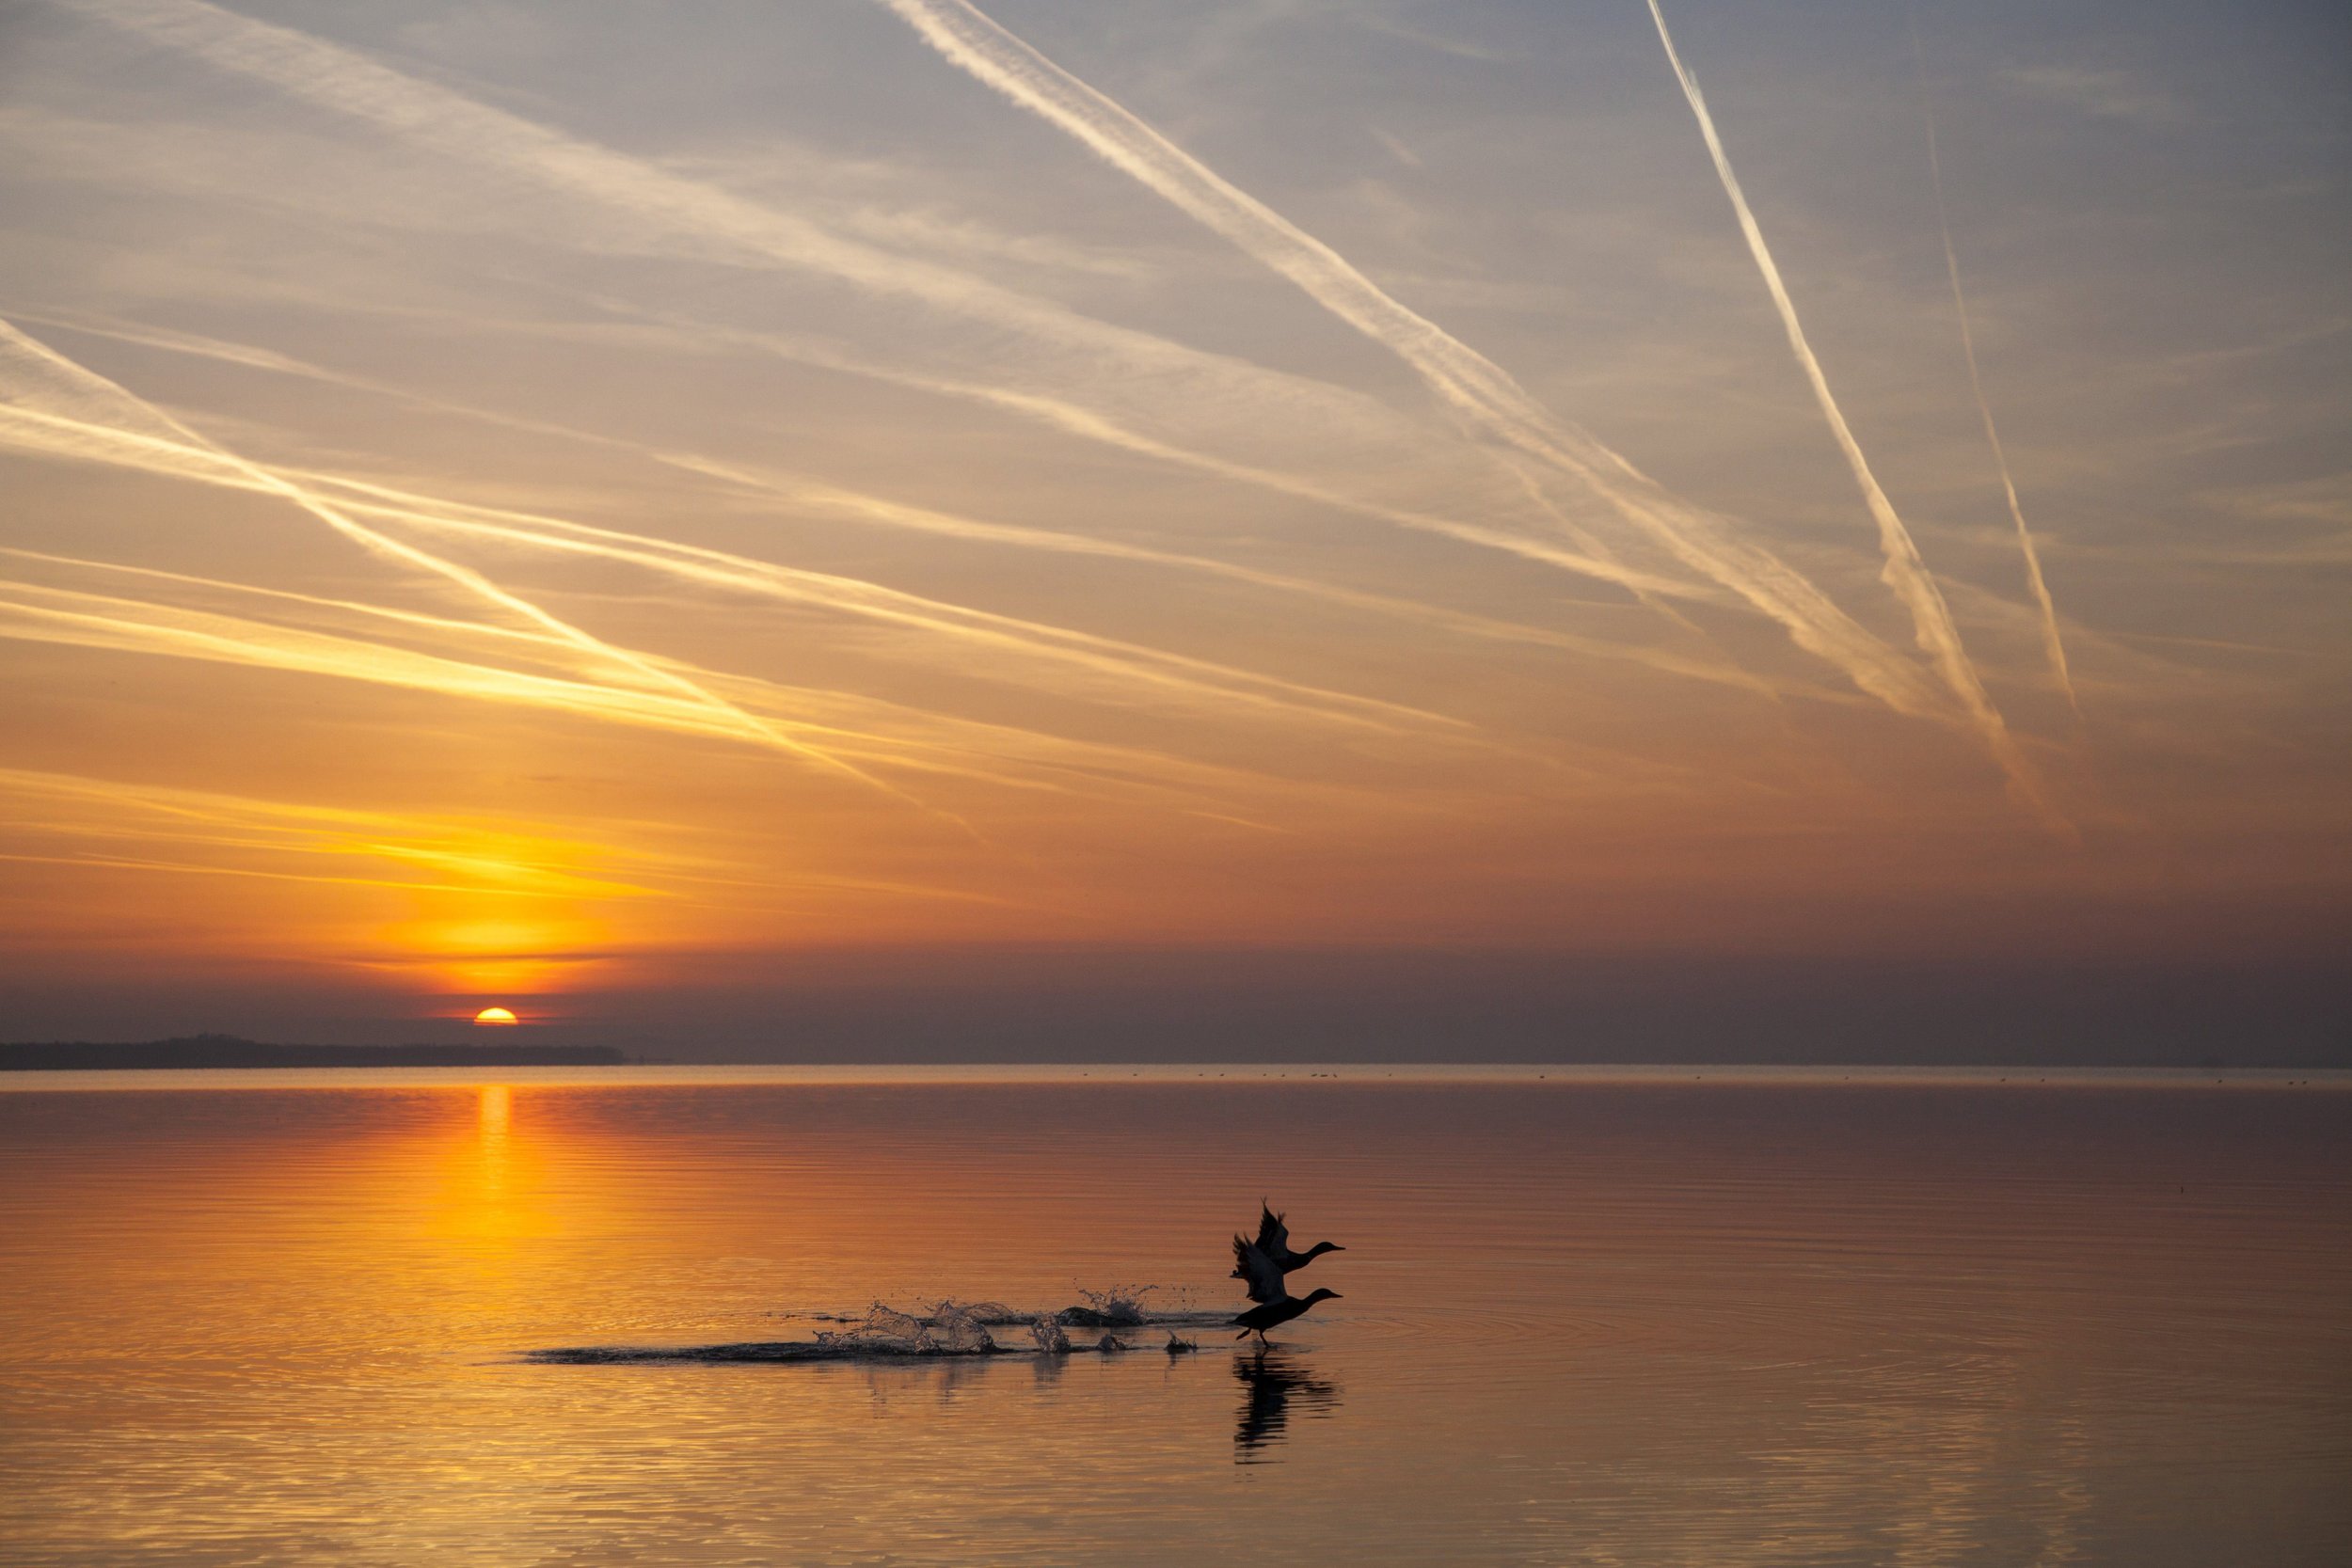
(496, 1016)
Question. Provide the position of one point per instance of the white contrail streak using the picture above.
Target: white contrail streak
(1474, 386)
(801, 492)
(1090, 425)
(1058, 414)
(2051, 643)
(664, 206)
(42, 369)
(871, 729)
(126, 818)
(1114, 665)
(35, 613)
(1906, 573)
(1122, 661)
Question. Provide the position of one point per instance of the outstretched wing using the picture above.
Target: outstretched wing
(1274, 1237)
(1251, 1263)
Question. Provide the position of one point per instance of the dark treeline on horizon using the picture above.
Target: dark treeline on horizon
(227, 1050)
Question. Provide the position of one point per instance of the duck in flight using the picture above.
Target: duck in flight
(1276, 1305)
(1274, 1240)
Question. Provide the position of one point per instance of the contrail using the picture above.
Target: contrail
(119, 862)
(816, 495)
(1120, 661)
(834, 501)
(1117, 664)
(133, 825)
(1474, 386)
(519, 863)
(1091, 425)
(186, 455)
(84, 391)
(1054, 413)
(31, 613)
(874, 730)
(2051, 643)
(665, 206)
(1906, 573)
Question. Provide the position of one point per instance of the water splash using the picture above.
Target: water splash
(945, 1330)
(1113, 1306)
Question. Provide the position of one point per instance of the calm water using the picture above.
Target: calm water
(1607, 1320)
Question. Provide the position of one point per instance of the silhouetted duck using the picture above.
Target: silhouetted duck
(1274, 1240)
(1276, 1306)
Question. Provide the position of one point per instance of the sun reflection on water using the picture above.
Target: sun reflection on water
(1741, 1327)
(496, 1114)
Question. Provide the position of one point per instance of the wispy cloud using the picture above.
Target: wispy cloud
(84, 414)
(804, 495)
(2101, 94)
(1111, 667)
(1906, 572)
(1478, 391)
(2054, 646)
(1064, 348)
(193, 830)
(876, 734)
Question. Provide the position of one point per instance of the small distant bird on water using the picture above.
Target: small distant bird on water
(1274, 1240)
(1276, 1305)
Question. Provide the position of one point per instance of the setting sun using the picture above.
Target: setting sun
(971, 602)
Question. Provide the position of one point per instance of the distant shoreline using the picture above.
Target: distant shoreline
(463, 1067)
(227, 1050)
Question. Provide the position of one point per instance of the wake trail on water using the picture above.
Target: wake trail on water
(949, 1330)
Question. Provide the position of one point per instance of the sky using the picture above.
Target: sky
(879, 527)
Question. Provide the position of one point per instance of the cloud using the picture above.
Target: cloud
(1396, 149)
(348, 642)
(2053, 645)
(50, 399)
(2101, 94)
(802, 495)
(1121, 370)
(1906, 573)
(1106, 666)
(153, 827)
(1479, 391)
(1085, 377)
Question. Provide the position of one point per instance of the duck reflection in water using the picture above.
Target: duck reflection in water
(1270, 1382)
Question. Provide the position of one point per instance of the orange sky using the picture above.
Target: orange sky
(535, 511)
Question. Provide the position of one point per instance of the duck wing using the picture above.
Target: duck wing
(1274, 1237)
(1263, 1275)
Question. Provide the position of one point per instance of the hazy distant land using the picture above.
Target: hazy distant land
(227, 1050)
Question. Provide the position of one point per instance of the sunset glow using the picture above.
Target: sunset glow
(1166, 782)
(918, 480)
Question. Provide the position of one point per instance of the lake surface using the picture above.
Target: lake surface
(1638, 1317)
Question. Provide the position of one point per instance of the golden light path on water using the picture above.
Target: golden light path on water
(1742, 1319)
